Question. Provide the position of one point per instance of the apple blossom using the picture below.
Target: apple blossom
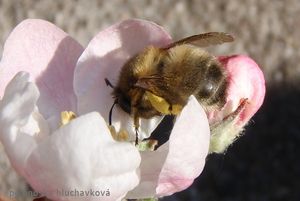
(81, 154)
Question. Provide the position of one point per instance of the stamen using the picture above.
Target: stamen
(121, 136)
(66, 117)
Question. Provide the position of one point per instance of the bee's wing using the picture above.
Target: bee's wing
(204, 40)
(148, 82)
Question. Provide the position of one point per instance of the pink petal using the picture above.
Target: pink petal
(175, 165)
(49, 55)
(246, 81)
(103, 58)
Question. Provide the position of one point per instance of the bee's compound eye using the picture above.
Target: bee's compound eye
(125, 104)
(207, 89)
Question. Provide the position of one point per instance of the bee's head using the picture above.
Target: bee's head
(122, 100)
(138, 99)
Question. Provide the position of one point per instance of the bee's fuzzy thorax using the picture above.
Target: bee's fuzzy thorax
(146, 61)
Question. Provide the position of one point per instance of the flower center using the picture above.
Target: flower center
(122, 135)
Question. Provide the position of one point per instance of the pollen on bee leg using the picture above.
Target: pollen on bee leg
(159, 103)
(176, 109)
(66, 117)
(122, 135)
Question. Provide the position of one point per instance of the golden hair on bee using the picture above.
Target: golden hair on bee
(146, 60)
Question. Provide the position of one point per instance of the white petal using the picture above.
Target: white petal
(103, 58)
(82, 155)
(18, 120)
(175, 165)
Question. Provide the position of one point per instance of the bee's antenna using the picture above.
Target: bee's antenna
(110, 112)
(108, 83)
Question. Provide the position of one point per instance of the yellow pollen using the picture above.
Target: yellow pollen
(162, 106)
(176, 109)
(66, 117)
(122, 135)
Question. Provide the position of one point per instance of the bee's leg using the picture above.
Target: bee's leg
(108, 83)
(225, 132)
(162, 132)
(136, 137)
(136, 126)
(134, 112)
